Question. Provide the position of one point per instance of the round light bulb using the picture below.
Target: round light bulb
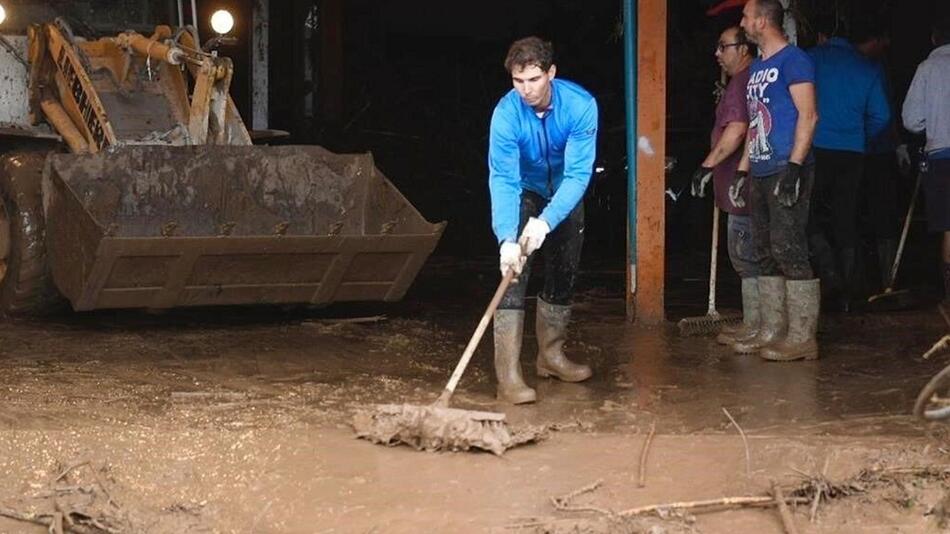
(3, 14)
(222, 22)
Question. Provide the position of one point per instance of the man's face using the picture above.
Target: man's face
(533, 84)
(752, 23)
(729, 51)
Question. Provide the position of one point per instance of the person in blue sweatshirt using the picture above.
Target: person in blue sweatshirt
(540, 158)
(854, 107)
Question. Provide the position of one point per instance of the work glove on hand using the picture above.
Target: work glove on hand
(737, 187)
(700, 178)
(512, 258)
(533, 235)
(788, 187)
(903, 159)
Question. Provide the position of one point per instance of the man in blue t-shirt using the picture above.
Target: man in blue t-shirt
(540, 158)
(782, 119)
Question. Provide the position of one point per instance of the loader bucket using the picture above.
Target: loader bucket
(160, 227)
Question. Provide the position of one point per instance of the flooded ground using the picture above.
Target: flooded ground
(237, 420)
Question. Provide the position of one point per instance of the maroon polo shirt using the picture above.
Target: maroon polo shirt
(731, 108)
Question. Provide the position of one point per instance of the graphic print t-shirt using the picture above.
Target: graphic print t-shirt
(772, 113)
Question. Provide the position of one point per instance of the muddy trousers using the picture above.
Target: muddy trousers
(833, 224)
(742, 251)
(779, 232)
(562, 256)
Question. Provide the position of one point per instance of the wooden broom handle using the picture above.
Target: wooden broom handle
(476, 338)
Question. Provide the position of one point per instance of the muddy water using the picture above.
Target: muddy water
(238, 408)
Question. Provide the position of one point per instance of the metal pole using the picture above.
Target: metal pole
(259, 64)
(181, 14)
(194, 21)
(630, 101)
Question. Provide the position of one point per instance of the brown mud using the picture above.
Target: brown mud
(238, 420)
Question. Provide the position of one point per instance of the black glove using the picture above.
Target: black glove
(700, 178)
(789, 185)
(736, 187)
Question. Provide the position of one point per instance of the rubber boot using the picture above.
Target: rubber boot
(886, 252)
(848, 282)
(773, 318)
(509, 330)
(803, 305)
(551, 329)
(750, 315)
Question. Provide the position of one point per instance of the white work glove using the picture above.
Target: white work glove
(511, 258)
(735, 189)
(903, 159)
(533, 235)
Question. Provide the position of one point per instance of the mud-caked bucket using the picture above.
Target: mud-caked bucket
(159, 227)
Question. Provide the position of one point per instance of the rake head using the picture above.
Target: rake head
(433, 428)
(707, 324)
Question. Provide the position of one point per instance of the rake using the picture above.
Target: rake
(713, 321)
(437, 427)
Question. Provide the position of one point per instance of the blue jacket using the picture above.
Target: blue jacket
(552, 156)
(852, 97)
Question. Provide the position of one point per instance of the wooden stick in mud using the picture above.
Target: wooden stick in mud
(697, 506)
(641, 479)
(745, 442)
(787, 520)
(563, 504)
(69, 469)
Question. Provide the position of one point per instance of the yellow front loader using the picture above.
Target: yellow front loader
(146, 192)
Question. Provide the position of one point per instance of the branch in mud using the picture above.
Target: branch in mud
(642, 477)
(46, 520)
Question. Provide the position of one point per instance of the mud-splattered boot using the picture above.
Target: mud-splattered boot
(773, 318)
(803, 305)
(509, 330)
(750, 315)
(551, 329)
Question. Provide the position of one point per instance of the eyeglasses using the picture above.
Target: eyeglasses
(721, 47)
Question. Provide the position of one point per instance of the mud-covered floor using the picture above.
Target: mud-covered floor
(237, 420)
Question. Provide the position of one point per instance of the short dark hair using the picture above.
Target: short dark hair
(942, 28)
(743, 39)
(772, 10)
(865, 29)
(530, 51)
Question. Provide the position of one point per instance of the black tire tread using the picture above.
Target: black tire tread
(27, 289)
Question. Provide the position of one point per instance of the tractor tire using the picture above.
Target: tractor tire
(26, 283)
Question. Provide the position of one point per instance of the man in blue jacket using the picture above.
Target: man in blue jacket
(540, 158)
(853, 106)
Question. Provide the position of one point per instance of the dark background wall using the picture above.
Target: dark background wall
(415, 81)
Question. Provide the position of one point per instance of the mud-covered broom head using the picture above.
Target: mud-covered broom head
(706, 324)
(432, 428)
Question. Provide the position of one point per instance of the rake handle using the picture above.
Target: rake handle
(713, 260)
(475, 340)
(900, 246)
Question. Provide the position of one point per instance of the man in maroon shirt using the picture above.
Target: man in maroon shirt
(734, 53)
